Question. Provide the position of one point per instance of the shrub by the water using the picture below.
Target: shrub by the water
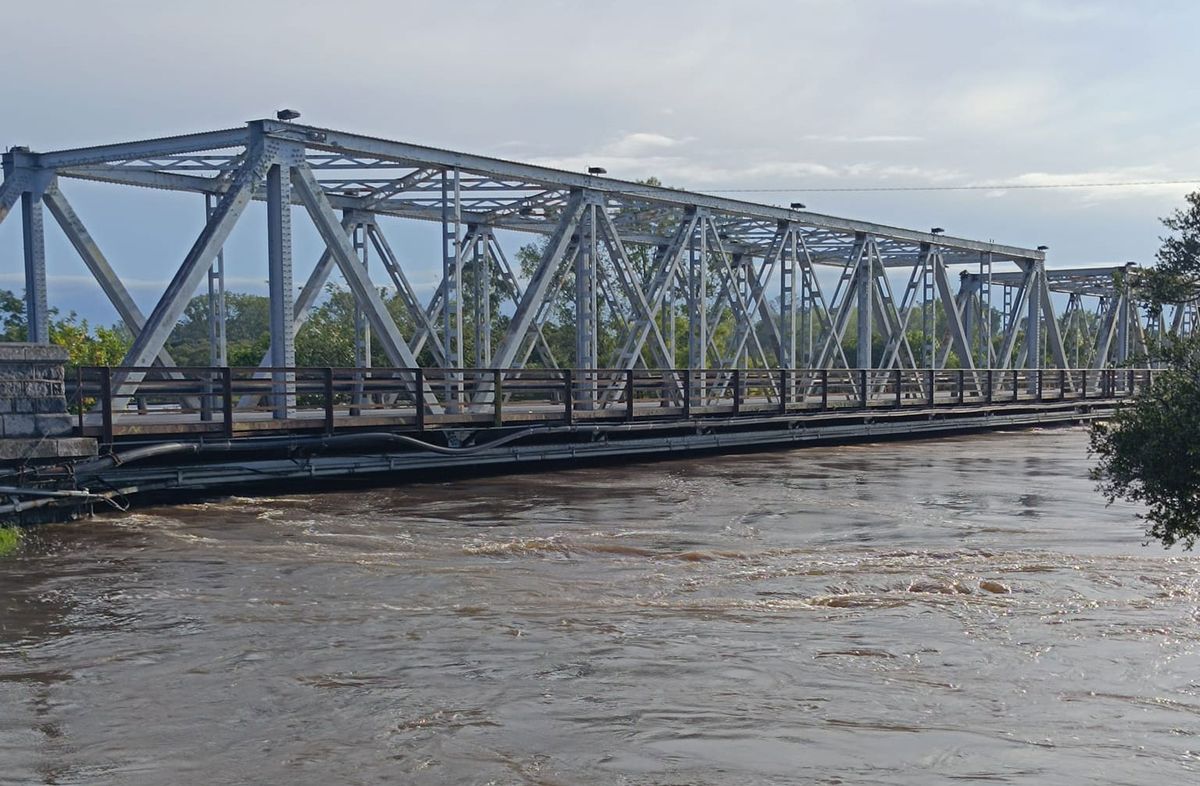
(10, 539)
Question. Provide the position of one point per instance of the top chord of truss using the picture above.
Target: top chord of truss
(406, 180)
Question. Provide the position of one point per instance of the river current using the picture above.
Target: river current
(944, 611)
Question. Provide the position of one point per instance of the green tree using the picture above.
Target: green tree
(86, 345)
(247, 330)
(1176, 276)
(1149, 452)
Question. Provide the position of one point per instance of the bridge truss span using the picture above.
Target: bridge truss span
(648, 277)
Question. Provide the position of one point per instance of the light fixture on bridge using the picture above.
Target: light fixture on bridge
(287, 114)
(1043, 248)
(798, 206)
(525, 211)
(597, 170)
(936, 231)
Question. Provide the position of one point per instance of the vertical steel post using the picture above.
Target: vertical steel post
(931, 380)
(587, 284)
(215, 314)
(452, 306)
(789, 276)
(865, 284)
(864, 391)
(824, 389)
(697, 303)
(785, 390)
(218, 351)
(1033, 321)
(737, 391)
(898, 380)
(360, 240)
(37, 314)
(481, 280)
(279, 283)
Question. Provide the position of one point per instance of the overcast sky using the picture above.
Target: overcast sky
(720, 95)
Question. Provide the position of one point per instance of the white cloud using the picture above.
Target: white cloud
(639, 144)
(1096, 185)
(864, 139)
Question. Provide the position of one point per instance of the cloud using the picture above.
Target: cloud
(1096, 185)
(640, 143)
(867, 139)
(640, 155)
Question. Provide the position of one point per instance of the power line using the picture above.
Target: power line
(994, 187)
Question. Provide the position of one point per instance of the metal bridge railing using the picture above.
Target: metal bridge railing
(229, 402)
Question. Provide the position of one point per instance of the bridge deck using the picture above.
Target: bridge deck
(195, 432)
(197, 402)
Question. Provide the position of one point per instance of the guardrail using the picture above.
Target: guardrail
(111, 401)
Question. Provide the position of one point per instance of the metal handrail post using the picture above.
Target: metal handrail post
(568, 396)
(629, 401)
(327, 378)
(419, 398)
(106, 417)
(497, 397)
(227, 401)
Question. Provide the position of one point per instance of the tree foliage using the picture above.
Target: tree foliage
(1149, 452)
(86, 345)
(1175, 278)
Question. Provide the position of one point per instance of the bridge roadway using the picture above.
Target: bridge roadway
(183, 434)
(235, 403)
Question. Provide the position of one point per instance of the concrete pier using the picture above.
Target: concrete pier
(35, 425)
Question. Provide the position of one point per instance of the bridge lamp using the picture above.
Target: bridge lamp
(1043, 248)
(597, 170)
(287, 114)
(798, 206)
(525, 211)
(936, 231)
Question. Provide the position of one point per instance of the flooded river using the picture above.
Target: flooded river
(957, 610)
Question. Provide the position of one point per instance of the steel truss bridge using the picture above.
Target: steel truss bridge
(771, 295)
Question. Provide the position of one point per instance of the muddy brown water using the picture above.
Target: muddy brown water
(954, 610)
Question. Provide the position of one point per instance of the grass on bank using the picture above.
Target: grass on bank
(10, 540)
